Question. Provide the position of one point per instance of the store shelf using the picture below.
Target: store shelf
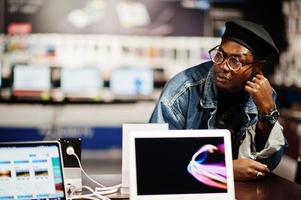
(36, 115)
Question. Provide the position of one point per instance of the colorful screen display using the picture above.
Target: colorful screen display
(31, 172)
(180, 165)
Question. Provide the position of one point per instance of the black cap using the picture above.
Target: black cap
(251, 35)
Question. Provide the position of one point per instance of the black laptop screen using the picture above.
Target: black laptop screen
(180, 165)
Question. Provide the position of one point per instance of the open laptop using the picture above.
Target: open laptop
(126, 131)
(31, 170)
(181, 164)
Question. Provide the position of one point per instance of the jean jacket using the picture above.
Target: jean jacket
(189, 101)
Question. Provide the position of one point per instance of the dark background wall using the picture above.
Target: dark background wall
(1, 16)
(268, 13)
(52, 17)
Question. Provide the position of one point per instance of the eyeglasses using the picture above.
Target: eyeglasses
(218, 57)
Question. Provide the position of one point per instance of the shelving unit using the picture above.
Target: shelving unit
(106, 51)
(289, 70)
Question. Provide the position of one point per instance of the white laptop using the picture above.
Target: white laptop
(31, 170)
(181, 164)
(126, 130)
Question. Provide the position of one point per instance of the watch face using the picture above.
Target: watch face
(271, 118)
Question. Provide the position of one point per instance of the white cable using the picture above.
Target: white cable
(99, 191)
(70, 150)
(87, 196)
(107, 192)
(93, 193)
(80, 197)
(108, 188)
(91, 179)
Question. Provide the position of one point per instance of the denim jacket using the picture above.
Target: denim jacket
(189, 101)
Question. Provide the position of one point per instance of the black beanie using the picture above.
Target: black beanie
(252, 36)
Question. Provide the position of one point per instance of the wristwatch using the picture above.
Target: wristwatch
(271, 117)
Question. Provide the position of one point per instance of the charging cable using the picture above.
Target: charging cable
(87, 196)
(98, 192)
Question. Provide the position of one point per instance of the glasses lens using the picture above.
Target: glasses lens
(216, 56)
(234, 63)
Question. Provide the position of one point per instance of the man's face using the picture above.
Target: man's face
(229, 80)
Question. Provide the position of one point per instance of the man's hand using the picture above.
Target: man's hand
(247, 169)
(260, 90)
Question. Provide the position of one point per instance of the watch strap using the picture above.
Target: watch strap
(271, 117)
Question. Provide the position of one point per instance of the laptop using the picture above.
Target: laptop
(31, 170)
(181, 164)
(126, 131)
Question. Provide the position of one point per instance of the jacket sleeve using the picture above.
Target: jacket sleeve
(271, 153)
(165, 113)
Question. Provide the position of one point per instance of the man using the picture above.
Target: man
(230, 93)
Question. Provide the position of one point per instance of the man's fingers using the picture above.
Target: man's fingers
(250, 83)
(259, 76)
(251, 87)
(261, 167)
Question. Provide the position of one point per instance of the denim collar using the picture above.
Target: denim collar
(209, 98)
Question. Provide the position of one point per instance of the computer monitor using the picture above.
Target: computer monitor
(82, 79)
(130, 81)
(31, 78)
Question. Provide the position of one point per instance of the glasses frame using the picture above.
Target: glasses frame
(226, 58)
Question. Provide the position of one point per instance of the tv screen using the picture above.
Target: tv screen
(132, 81)
(81, 79)
(31, 78)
